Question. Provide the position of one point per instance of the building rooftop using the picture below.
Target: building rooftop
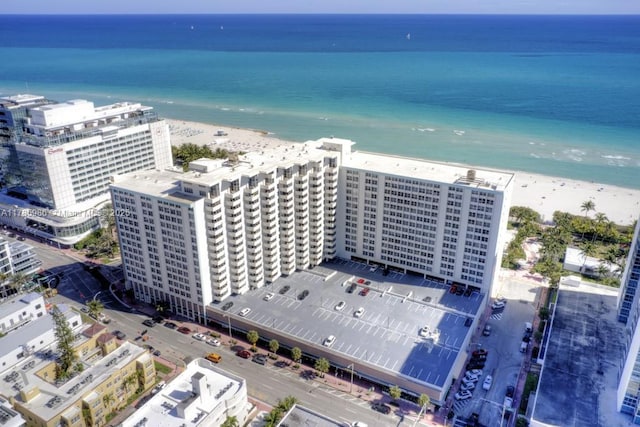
(180, 403)
(18, 303)
(20, 100)
(578, 381)
(51, 398)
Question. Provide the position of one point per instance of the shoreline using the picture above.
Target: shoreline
(542, 193)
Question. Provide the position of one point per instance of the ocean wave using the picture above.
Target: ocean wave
(534, 155)
(611, 157)
(575, 154)
(617, 160)
(459, 132)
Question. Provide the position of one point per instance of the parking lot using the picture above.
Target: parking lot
(504, 360)
(387, 334)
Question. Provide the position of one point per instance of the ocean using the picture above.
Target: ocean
(557, 95)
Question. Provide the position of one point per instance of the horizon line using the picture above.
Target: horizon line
(321, 13)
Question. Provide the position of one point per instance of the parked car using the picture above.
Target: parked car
(158, 319)
(184, 330)
(498, 305)
(470, 385)
(157, 353)
(170, 325)
(381, 407)
(352, 288)
(487, 383)
(120, 335)
(302, 295)
(487, 330)
(150, 323)
(364, 291)
(214, 342)
(328, 342)
(260, 359)
(510, 391)
(244, 311)
(463, 395)
(284, 289)
(214, 357)
(245, 354)
(359, 312)
(227, 306)
(269, 296)
(477, 372)
(471, 377)
(425, 331)
(340, 306)
(199, 337)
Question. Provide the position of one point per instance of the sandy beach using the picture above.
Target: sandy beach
(545, 194)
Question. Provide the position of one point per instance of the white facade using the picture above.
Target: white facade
(20, 310)
(203, 395)
(63, 160)
(225, 228)
(628, 398)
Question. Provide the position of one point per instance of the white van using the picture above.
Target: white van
(523, 346)
(528, 327)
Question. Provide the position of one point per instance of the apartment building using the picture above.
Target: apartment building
(628, 398)
(61, 156)
(202, 395)
(110, 373)
(226, 227)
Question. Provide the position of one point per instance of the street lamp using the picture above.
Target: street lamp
(229, 323)
(351, 385)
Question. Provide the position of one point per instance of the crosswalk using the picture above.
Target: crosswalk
(496, 316)
(459, 405)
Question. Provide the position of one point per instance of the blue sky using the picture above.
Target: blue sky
(323, 6)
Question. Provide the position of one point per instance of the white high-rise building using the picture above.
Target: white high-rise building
(628, 401)
(227, 227)
(58, 168)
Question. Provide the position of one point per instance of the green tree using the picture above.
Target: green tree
(187, 153)
(296, 354)
(253, 337)
(395, 392)
(17, 281)
(274, 345)
(322, 365)
(129, 381)
(95, 308)
(588, 249)
(543, 313)
(108, 400)
(287, 403)
(423, 402)
(64, 339)
(231, 422)
(587, 206)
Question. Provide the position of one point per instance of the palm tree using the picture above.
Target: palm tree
(95, 308)
(603, 270)
(296, 354)
(601, 221)
(322, 365)
(274, 345)
(253, 337)
(129, 381)
(395, 392)
(423, 402)
(287, 403)
(588, 249)
(108, 400)
(587, 206)
(231, 422)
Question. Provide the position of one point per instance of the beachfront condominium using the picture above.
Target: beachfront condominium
(225, 227)
(59, 158)
(629, 313)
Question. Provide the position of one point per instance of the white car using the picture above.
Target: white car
(468, 386)
(476, 372)
(463, 395)
(498, 304)
(340, 306)
(269, 296)
(424, 332)
(199, 337)
(245, 311)
(359, 312)
(214, 342)
(508, 402)
(471, 377)
(488, 381)
(328, 342)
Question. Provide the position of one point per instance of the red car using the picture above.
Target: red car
(364, 292)
(245, 354)
(361, 281)
(184, 330)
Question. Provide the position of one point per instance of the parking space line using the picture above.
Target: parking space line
(356, 350)
(348, 348)
(313, 337)
(362, 326)
(369, 330)
(393, 368)
(356, 324)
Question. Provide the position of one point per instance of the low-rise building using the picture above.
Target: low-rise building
(203, 395)
(105, 375)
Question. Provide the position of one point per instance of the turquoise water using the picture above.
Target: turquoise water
(552, 95)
